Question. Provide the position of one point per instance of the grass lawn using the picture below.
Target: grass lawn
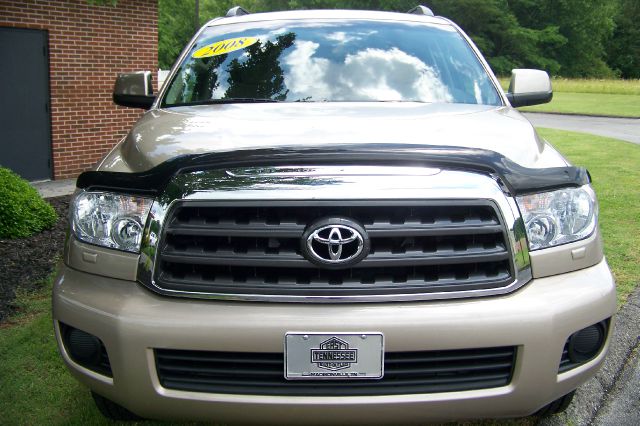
(597, 97)
(35, 387)
(583, 85)
(590, 103)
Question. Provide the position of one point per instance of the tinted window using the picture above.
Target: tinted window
(332, 60)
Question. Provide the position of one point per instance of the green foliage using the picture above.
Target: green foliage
(176, 24)
(572, 38)
(22, 211)
(263, 60)
(585, 24)
(623, 50)
(498, 34)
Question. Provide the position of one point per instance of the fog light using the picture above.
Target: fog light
(586, 343)
(85, 349)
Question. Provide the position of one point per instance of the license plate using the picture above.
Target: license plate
(325, 356)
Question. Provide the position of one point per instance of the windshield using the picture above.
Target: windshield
(328, 61)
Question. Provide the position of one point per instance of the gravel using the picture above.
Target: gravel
(26, 262)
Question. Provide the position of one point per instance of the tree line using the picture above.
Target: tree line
(569, 38)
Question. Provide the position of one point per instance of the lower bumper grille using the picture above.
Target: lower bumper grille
(405, 373)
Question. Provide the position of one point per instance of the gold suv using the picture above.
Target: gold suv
(333, 217)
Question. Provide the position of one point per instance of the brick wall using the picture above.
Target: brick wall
(88, 46)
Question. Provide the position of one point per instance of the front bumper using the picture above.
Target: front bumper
(132, 321)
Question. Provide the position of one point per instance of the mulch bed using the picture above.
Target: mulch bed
(25, 263)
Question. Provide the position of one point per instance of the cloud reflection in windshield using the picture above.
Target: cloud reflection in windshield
(369, 74)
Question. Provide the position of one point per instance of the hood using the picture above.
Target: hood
(164, 134)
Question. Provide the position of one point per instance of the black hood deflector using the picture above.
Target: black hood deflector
(514, 179)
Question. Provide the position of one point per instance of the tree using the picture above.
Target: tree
(175, 28)
(490, 23)
(499, 35)
(623, 49)
(586, 25)
(262, 61)
(175, 24)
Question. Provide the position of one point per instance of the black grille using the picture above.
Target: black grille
(565, 362)
(404, 373)
(104, 367)
(419, 247)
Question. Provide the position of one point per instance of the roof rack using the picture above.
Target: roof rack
(236, 11)
(421, 10)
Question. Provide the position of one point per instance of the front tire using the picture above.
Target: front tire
(557, 406)
(111, 410)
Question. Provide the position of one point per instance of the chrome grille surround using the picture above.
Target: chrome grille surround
(333, 185)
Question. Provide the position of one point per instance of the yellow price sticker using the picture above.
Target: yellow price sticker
(224, 46)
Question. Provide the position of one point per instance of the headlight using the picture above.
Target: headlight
(109, 219)
(559, 217)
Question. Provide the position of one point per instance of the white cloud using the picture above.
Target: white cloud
(342, 37)
(307, 75)
(370, 74)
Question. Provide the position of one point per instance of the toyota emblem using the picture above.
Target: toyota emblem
(335, 242)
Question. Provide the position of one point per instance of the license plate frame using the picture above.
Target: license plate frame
(333, 356)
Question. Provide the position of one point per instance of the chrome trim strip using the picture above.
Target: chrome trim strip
(322, 183)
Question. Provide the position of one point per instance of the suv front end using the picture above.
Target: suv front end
(360, 275)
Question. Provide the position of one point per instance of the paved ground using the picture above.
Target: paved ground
(55, 188)
(626, 129)
(623, 405)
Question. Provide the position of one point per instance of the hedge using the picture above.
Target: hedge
(22, 211)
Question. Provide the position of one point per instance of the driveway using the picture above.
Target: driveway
(626, 129)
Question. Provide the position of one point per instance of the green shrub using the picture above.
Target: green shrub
(22, 211)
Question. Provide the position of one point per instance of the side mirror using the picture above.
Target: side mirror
(529, 87)
(134, 90)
